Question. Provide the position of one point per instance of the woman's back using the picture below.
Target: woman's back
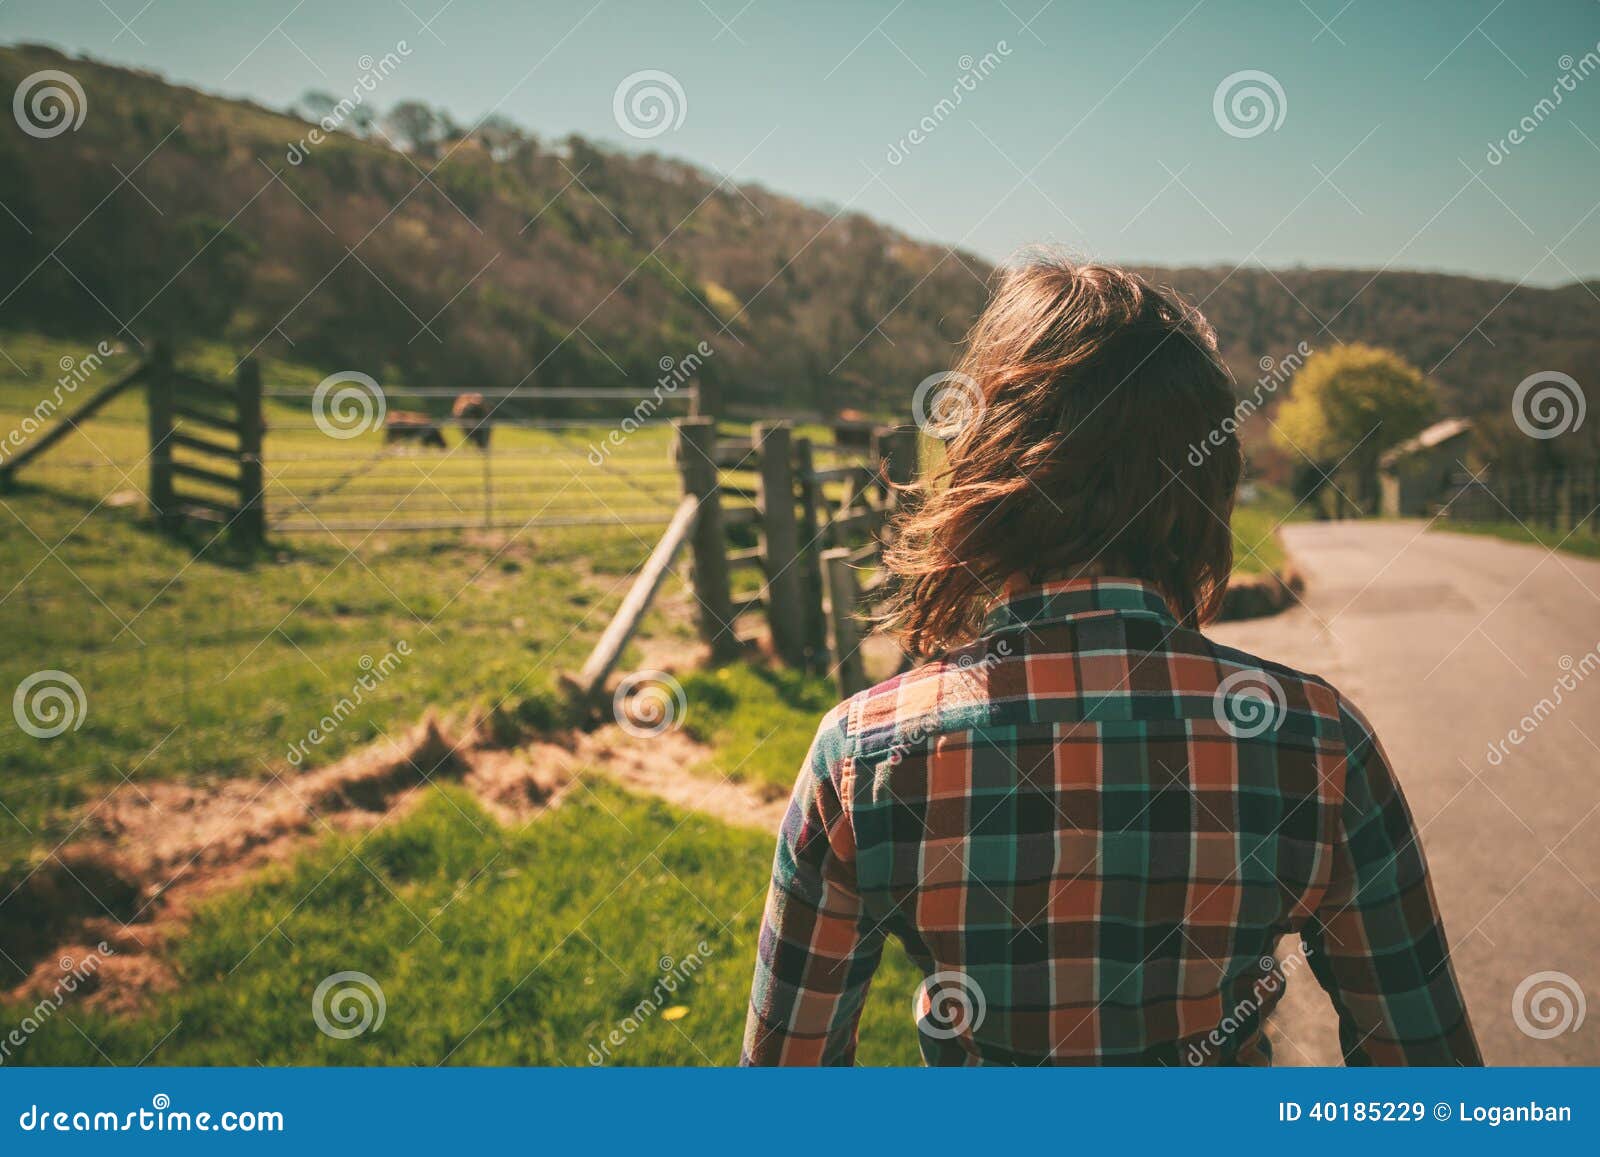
(1089, 828)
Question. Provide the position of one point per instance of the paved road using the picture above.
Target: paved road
(1447, 641)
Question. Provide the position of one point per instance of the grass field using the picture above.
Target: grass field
(1585, 545)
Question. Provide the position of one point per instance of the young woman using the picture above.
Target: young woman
(1087, 824)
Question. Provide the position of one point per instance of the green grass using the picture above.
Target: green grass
(490, 947)
(759, 720)
(1257, 549)
(200, 663)
(1578, 543)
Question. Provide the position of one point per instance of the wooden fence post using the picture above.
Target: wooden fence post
(780, 542)
(250, 526)
(697, 463)
(849, 672)
(895, 448)
(811, 547)
(158, 394)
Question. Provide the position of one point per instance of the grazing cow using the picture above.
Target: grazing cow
(473, 415)
(410, 426)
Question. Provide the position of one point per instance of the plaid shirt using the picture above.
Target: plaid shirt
(1089, 829)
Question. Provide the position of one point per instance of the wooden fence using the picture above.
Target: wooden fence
(205, 449)
(816, 526)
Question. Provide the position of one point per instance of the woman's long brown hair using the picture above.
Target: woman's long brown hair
(1097, 438)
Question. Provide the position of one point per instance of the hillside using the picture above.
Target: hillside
(501, 260)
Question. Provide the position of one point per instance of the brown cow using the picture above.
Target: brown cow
(410, 426)
(473, 415)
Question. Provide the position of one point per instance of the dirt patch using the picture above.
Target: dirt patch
(659, 766)
(150, 853)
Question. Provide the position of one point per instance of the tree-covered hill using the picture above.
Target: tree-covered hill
(414, 253)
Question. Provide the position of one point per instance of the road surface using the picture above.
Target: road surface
(1448, 642)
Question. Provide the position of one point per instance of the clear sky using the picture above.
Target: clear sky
(1095, 125)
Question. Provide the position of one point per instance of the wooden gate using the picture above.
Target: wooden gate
(205, 449)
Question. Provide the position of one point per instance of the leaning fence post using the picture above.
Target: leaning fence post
(780, 542)
(251, 524)
(697, 463)
(158, 396)
(811, 546)
(849, 671)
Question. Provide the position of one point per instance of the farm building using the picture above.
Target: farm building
(1416, 474)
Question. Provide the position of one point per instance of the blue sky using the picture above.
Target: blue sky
(1095, 127)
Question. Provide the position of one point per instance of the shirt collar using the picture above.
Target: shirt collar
(1033, 604)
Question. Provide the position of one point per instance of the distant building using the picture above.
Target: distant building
(1416, 474)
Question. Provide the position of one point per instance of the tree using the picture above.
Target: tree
(417, 125)
(1349, 404)
(315, 104)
